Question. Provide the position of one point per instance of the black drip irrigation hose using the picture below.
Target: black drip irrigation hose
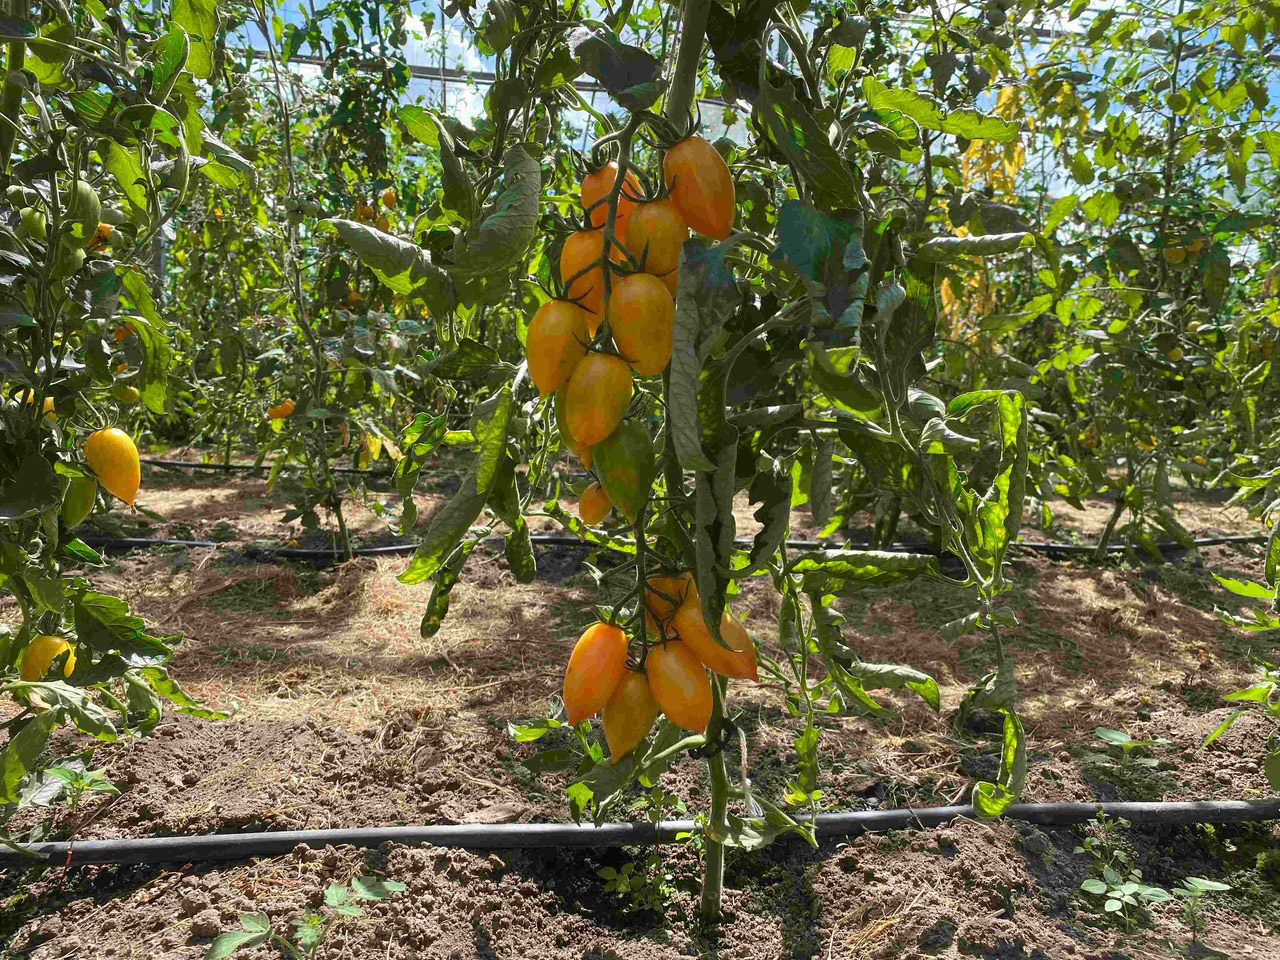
(251, 467)
(333, 554)
(490, 836)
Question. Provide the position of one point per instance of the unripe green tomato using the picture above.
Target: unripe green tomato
(78, 501)
(70, 259)
(127, 395)
(34, 224)
(84, 213)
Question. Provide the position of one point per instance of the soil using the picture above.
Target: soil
(343, 715)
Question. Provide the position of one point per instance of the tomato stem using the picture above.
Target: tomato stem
(717, 826)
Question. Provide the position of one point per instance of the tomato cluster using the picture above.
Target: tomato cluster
(593, 381)
(673, 679)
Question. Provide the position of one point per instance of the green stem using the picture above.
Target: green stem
(713, 879)
(680, 95)
(11, 93)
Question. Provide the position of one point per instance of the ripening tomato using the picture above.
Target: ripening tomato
(384, 223)
(595, 189)
(594, 504)
(700, 185)
(691, 627)
(596, 397)
(580, 251)
(642, 318)
(680, 684)
(114, 458)
(628, 714)
(280, 410)
(119, 334)
(555, 344)
(655, 233)
(40, 654)
(676, 588)
(595, 668)
(580, 450)
(389, 198)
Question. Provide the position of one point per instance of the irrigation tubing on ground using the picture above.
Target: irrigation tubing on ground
(250, 467)
(333, 554)
(483, 836)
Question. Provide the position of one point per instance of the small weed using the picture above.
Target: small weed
(647, 884)
(311, 928)
(1191, 892)
(1116, 881)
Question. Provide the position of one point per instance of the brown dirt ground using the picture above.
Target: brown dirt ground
(344, 715)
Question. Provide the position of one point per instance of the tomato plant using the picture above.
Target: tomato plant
(96, 153)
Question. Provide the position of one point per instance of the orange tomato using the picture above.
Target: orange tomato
(555, 344)
(581, 250)
(700, 185)
(628, 714)
(595, 668)
(119, 334)
(680, 684)
(595, 188)
(594, 504)
(580, 450)
(642, 318)
(655, 233)
(388, 198)
(384, 223)
(114, 458)
(596, 397)
(676, 588)
(100, 236)
(691, 627)
(280, 410)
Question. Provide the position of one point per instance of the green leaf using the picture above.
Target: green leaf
(892, 676)
(104, 624)
(126, 169)
(771, 488)
(1246, 588)
(500, 240)
(705, 295)
(860, 568)
(228, 943)
(200, 20)
(470, 360)
(1062, 208)
(426, 127)
(32, 490)
(375, 888)
(489, 424)
(818, 246)
(241, 171)
(953, 248)
(88, 716)
(630, 75)
(968, 124)
(714, 530)
(446, 578)
(20, 754)
(627, 464)
(448, 525)
(804, 142)
(401, 265)
(521, 560)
